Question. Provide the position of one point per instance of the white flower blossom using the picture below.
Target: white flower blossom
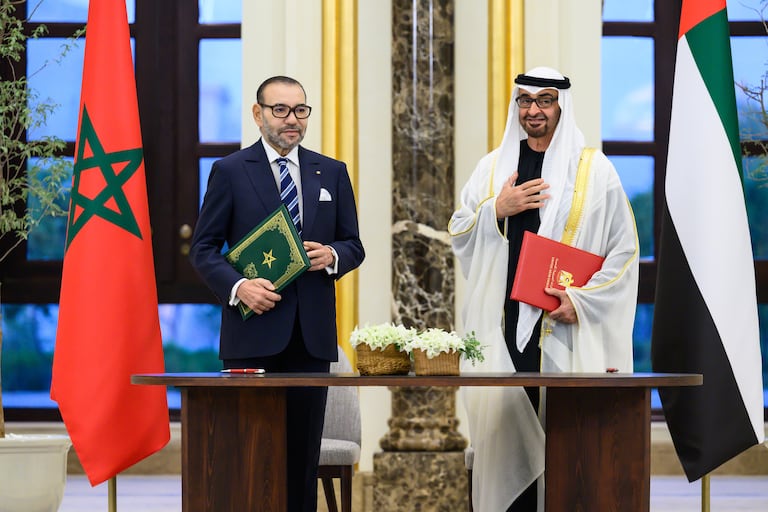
(433, 341)
(381, 335)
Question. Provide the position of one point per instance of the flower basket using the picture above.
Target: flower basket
(388, 361)
(444, 363)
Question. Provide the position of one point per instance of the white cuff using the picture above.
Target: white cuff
(234, 300)
(333, 269)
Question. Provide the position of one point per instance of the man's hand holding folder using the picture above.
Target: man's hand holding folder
(546, 263)
(272, 254)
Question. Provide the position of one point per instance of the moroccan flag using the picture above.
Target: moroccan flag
(108, 318)
(705, 318)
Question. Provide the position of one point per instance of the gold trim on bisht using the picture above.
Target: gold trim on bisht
(579, 196)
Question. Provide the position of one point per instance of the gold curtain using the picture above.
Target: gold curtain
(506, 58)
(340, 130)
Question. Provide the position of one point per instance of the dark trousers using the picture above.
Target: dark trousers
(304, 418)
(526, 502)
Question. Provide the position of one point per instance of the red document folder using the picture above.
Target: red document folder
(546, 263)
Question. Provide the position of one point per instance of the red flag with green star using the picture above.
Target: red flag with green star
(108, 318)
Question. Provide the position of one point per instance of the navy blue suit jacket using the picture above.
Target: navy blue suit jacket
(241, 193)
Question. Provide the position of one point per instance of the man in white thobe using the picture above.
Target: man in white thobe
(540, 179)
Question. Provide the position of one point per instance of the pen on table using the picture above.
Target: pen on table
(242, 370)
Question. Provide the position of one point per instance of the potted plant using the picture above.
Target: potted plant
(381, 349)
(437, 352)
(32, 188)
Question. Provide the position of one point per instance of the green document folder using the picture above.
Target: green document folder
(272, 250)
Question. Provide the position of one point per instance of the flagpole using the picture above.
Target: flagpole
(112, 494)
(705, 493)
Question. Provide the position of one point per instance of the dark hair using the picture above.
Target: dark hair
(277, 80)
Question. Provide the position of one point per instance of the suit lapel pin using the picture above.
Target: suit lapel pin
(317, 172)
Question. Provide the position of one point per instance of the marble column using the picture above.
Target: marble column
(422, 156)
(422, 465)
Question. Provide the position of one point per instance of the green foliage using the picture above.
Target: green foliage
(642, 207)
(27, 354)
(473, 350)
(34, 174)
(179, 359)
(753, 122)
(641, 337)
(434, 341)
(754, 119)
(27, 369)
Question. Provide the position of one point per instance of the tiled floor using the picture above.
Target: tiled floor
(668, 494)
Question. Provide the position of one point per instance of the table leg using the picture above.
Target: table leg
(233, 449)
(598, 449)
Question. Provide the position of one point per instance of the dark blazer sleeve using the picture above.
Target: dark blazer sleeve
(211, 230)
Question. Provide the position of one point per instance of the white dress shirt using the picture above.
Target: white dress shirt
(293, 169)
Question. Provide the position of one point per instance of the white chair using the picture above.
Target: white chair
(340, 447)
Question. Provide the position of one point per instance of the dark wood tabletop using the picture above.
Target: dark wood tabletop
(587, 380)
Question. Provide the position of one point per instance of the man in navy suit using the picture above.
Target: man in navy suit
(295, 330)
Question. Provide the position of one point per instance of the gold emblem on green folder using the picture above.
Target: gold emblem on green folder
(272, 250)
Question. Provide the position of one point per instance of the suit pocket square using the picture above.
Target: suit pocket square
(325, 195)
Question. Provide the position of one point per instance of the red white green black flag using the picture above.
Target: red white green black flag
(705, 318)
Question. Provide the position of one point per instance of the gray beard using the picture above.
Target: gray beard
(274, 139)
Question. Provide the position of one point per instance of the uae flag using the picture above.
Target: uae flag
(108, 318)
(705, 318)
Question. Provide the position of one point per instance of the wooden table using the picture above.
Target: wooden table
(598, 434)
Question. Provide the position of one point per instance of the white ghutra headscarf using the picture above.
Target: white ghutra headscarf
(559, 168)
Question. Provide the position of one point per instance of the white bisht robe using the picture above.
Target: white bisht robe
(505, 431)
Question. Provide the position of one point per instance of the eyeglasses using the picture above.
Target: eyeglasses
(541, 101)
(282, 111)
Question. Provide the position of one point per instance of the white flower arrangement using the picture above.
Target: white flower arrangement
(378, 337)
(434, 341)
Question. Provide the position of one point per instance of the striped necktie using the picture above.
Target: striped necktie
(288, 193)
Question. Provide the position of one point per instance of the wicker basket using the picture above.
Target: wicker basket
(444, 363)
(389, 361)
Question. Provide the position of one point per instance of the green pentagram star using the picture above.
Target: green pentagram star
(84, 208)
(268, 258)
